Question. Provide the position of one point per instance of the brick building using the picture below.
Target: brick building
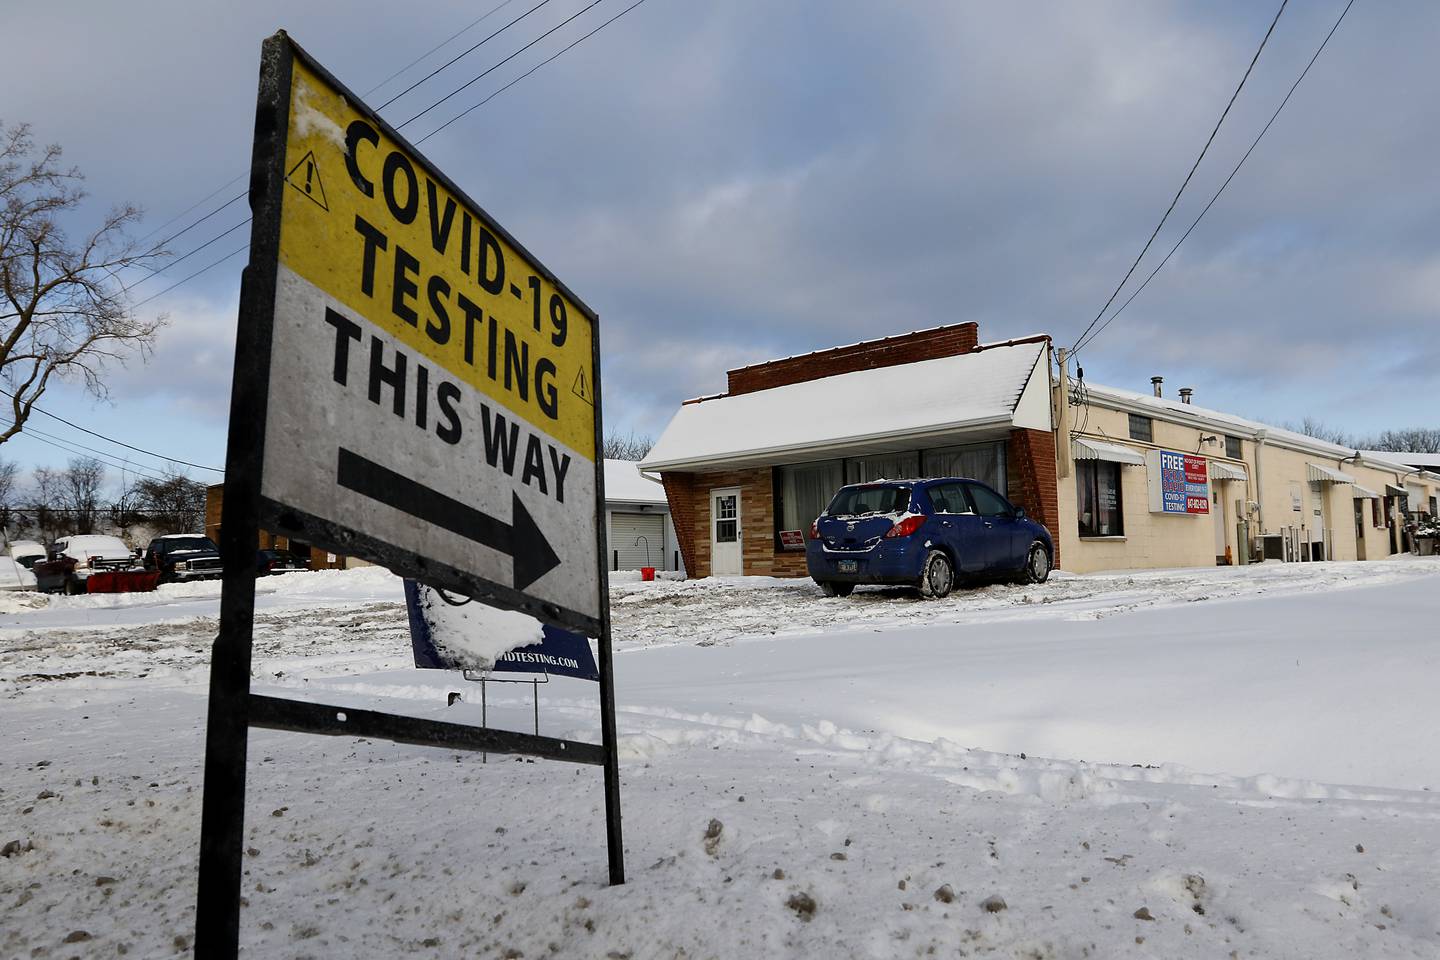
(314, 559)
(746, 471)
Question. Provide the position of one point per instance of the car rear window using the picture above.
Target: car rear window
(858, 501)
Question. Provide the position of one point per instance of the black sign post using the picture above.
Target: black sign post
(541, 571)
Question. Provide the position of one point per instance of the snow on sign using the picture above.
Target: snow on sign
(1179, 483)
(422, 409)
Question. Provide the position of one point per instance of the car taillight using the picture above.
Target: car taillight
(814, 529)
(270, 565)
(904, 528)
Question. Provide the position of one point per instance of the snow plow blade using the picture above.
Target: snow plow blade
(123, 581)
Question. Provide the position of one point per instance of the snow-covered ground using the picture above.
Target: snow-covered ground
(1241, 757)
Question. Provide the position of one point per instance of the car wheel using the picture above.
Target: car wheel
(1037, 564)
(833, 588)
(938, 576)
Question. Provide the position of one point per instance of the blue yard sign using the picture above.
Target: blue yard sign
(561, 653)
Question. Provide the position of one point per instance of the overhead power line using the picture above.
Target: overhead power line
(1084, 342)
(1193, 167)
(241, 176)
(198, 203)
(192, 276)
(469, 26)
(551, 58)
(462, 55)
(432, 106)
(182, 259)
(121, 443)
(93, 454)
(489, 70)
(176, 236)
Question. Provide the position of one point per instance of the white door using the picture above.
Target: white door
(1318, 516)
(1217, 510)
(725, 533)
(637, 540)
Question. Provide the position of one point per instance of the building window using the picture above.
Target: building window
(885, 466)
(1232, 448)
(805, 490)
(977, 461)
(1097, 485)
(1141, 428)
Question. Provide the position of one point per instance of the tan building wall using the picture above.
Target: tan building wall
(1150, 539)
(1276, 498)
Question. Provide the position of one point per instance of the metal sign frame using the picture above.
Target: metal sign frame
(232, 708)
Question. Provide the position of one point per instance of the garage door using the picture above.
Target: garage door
(632, 531)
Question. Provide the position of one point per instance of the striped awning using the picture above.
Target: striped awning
(1113, 452)
(1393, 491)
(1365, 493)
(1316, 473)
(1219, 470)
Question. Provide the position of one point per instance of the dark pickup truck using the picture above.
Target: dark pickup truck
(180, 557)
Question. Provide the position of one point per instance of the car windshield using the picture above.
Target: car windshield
(187, 543)
(859, 501)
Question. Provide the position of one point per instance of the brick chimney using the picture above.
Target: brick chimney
(947, 341)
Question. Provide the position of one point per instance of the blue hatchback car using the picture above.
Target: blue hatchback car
(924, 533)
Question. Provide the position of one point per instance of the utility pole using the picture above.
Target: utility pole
(1062, 430)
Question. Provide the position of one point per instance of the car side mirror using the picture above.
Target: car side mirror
(1019, 513)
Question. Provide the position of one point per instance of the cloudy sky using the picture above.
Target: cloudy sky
(728, 182)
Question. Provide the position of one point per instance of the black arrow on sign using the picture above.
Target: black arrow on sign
(520, 538)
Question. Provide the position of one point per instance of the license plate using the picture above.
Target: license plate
(846, 566)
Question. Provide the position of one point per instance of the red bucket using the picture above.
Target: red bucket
(647, 573)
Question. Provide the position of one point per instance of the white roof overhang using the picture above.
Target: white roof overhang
(1086, 449)
(1220, 470)
(1365, 493)
(1315, 473)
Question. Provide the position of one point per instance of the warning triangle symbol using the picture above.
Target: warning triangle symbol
(581, 388)
(305, 177)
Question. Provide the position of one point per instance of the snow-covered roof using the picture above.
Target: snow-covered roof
(912, 400)
(1426, 461)
(624, 483)
(1176, 410)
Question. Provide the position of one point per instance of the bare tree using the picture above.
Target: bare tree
(1320, 430)
(627, 446)
(46, 487)
(1411, 440)
(63, 310)
(80, 493)
(9, 470)
(175, 504)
